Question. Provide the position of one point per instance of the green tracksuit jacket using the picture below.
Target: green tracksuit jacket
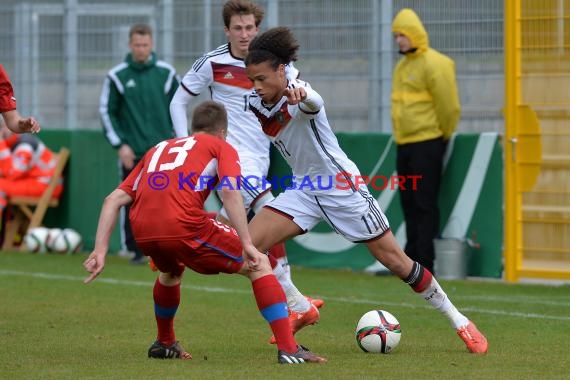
(135, 101)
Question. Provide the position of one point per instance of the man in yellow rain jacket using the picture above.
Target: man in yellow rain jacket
(425, 113)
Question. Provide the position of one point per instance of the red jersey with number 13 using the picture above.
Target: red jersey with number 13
(171, 183)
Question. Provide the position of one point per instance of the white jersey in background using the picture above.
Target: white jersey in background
(304, 138)
(224, 75)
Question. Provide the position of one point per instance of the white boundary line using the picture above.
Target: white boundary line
(114, 281)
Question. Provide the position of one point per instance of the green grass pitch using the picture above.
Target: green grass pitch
(52, 326)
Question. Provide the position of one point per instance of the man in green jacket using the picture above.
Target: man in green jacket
(134, 109)
(425, 113)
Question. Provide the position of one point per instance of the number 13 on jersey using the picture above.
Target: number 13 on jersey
(179, 147)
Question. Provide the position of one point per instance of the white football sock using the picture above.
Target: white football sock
(295, 300)
(435, 295)
(286, 267)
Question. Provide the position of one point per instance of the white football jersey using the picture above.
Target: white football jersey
(304, 138)
(229, 85)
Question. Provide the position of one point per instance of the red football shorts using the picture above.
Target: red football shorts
(217, 249)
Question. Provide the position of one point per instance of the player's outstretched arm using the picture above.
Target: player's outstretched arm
(18, 124)
(95, 263)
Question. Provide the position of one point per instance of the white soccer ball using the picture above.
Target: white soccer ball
(378, 331)
(52, 234)
(36, 238)
(67, 241)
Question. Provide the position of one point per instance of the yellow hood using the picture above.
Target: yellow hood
(409, 24)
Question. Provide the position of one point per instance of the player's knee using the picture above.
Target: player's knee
(265, 264)
(168, 279)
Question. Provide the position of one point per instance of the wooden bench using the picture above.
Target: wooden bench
(29, 212)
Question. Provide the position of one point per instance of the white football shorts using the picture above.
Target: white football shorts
(356, 216)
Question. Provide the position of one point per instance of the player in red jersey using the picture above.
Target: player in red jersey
(167, 190)
(14, 121)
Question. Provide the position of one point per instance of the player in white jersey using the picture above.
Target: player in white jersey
(224, 75)
(293, 116)
(222, 72)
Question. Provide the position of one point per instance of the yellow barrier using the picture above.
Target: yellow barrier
(537, 162)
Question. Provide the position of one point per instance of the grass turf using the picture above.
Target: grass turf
(52, 326)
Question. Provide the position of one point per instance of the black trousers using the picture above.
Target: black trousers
(127, 232)
(420, 206)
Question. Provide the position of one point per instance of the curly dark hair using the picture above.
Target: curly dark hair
(276, 45)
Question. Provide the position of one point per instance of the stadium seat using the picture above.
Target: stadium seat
(29, 212)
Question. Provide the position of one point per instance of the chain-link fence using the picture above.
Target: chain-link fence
(57, 52)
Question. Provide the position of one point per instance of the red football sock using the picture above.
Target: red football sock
(278, 251)
(272, 304)
(166, 301)
(272, 260)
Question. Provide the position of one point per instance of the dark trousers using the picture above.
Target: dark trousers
(127, 232)
(420, 206)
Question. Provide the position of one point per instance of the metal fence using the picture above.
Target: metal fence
(57, 52)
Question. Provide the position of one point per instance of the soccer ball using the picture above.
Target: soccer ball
(378, 331)
(67, 241)
(52, 234)
(36, 238)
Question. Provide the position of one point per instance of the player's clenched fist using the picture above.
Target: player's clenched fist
(94, 264)
(295, 95)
